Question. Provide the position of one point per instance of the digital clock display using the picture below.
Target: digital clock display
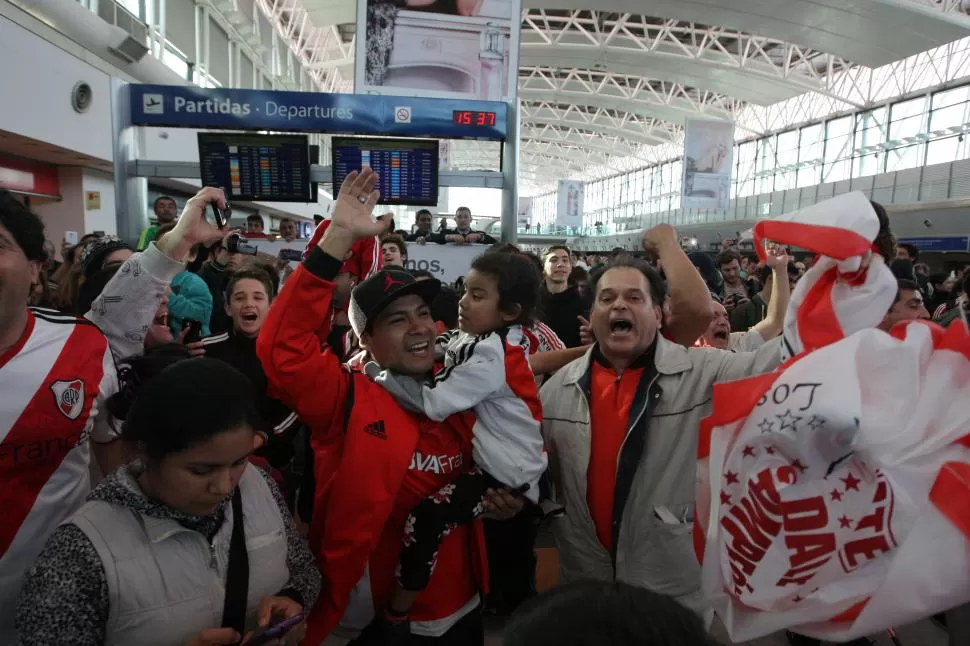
(473, 118)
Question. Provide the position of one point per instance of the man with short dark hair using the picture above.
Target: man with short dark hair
(746, 316)
(621, 425)
(423, 221)
(906, 251)
(374, 461)
(288, 229)
(463, 232)
(734, 292)
(908, 305)
(394, 252)
(165, 211)
(254, 226)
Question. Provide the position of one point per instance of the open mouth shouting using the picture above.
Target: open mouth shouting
(721, 333)
(621, 327)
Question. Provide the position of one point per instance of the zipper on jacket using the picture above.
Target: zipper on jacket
(647, 404)
(636, 420)
(213, 562)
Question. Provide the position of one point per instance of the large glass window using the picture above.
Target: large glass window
(907, 120)
(838, 149)
(908, 134)
(948, 117)
(765, 166)
(746, 154)
(870, 132)
(810, 156)
(786, 160)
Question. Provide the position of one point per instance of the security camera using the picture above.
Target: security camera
(81, 97)
(928, 223)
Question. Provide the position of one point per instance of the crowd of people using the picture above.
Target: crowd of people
(202, 443)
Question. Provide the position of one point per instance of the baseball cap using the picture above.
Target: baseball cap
(372, 296)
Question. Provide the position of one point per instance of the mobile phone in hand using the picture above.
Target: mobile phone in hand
(221, 216)
(194, 331)
(274, 631)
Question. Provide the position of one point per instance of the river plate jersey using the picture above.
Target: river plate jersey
(53, 382)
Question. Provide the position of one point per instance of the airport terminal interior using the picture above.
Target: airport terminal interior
(312, 313)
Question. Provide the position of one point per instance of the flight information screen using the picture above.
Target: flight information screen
(408, 168)
(271, 168)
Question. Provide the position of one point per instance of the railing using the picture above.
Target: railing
(936, 183)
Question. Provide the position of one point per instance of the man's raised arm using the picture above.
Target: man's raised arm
(314, 384)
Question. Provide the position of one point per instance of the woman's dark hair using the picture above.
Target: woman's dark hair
(594, 613)
(517, 280)
(421, 273)
(170, 402)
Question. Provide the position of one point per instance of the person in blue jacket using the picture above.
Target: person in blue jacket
(189, 298)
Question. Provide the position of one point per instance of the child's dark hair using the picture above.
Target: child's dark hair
(257, 273)
(517, 279)
(592, 613)
(170, 402)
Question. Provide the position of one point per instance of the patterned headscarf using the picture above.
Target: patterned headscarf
(93, 254)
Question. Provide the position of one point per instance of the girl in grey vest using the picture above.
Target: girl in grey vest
(145, 560)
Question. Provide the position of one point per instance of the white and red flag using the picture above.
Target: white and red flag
(834, 493)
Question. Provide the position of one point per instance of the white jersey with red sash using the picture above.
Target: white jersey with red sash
(53, 382)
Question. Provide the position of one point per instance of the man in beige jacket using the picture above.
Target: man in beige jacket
(621, 426)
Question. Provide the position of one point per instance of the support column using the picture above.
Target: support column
(131, 193)
(510, 177)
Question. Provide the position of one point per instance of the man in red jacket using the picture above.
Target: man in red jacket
(373, 460)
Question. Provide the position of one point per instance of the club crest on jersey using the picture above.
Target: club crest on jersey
(69, 396)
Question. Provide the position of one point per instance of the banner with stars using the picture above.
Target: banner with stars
(831, 488)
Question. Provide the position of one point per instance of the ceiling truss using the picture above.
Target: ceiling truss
(599, 36)
(612, 90)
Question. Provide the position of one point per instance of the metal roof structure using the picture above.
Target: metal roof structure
(609, 89)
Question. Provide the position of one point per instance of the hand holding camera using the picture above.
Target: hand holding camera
(192, 227)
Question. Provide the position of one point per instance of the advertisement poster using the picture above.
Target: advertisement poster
(460, 49)
(708, 161)
(569, 203)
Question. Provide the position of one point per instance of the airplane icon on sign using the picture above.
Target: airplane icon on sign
(153, 104)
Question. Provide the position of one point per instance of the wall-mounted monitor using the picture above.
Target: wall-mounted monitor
(408, 168)
(253, 167)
